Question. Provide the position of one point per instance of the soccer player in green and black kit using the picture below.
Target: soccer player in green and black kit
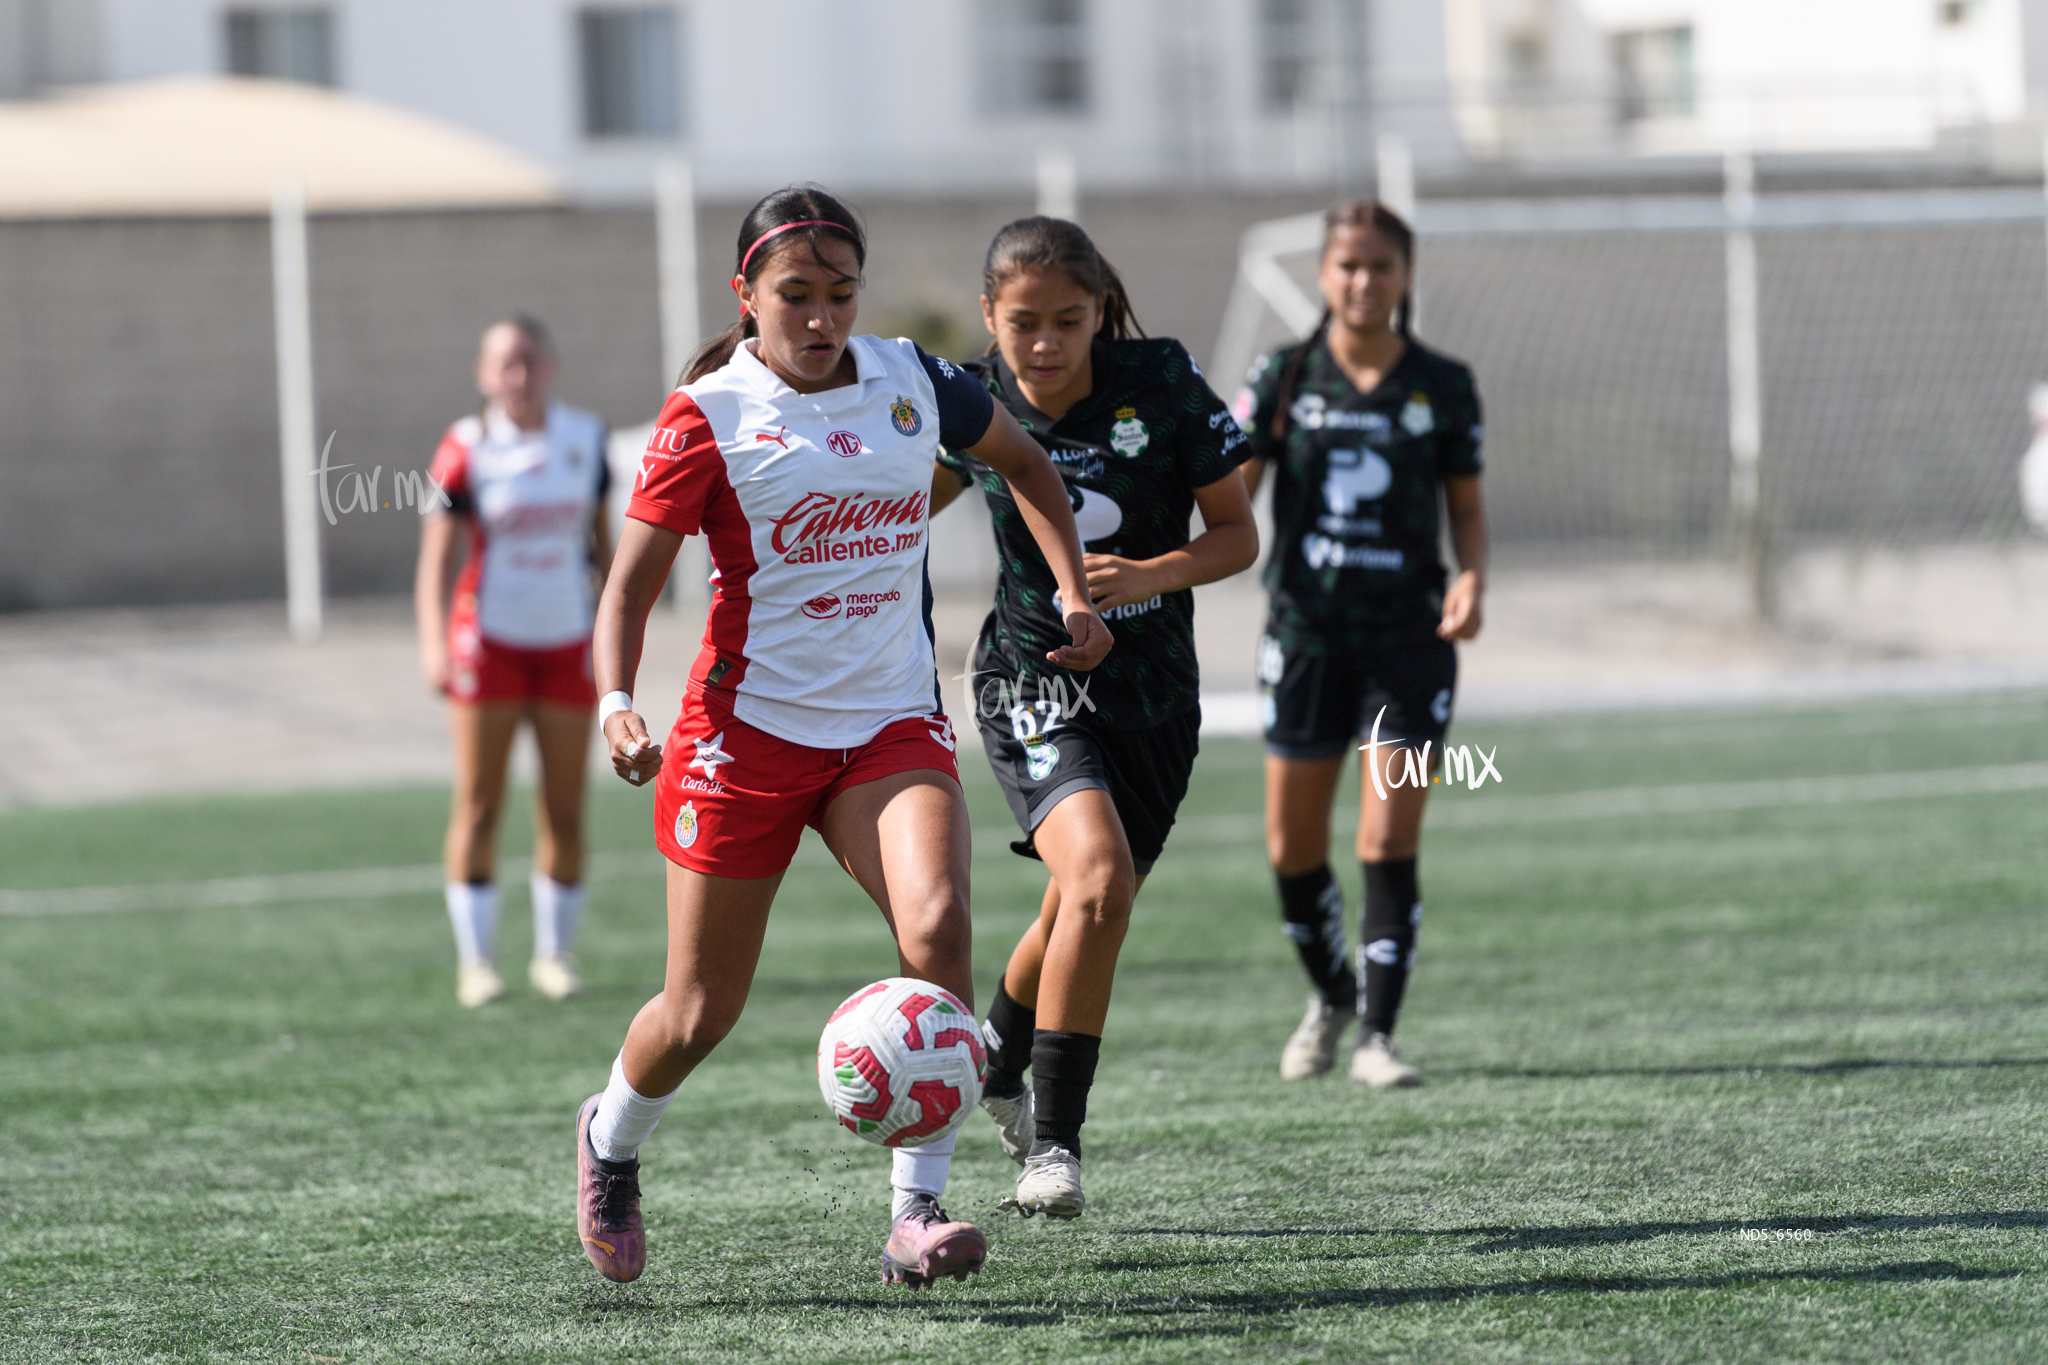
(1094, 764)
(1365, 428)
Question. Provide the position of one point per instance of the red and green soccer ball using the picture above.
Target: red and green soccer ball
(901, 1062)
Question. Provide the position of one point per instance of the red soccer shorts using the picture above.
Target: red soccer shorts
(482, 670)
(732, 801)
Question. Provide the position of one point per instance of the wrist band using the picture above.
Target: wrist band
(612, 703)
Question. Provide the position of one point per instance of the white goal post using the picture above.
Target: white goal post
(1799, 448)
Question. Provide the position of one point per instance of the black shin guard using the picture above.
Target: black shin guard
(1008, 1032)
(1312, 914)
(1386, 939)
(1062, 1069)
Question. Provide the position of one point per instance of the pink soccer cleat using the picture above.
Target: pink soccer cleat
(925, 1245)
(608, 1206)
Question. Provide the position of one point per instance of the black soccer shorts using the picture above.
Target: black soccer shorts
(1144, 771)
(1316, 700)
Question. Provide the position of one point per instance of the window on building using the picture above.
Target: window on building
(283, 44)
(1525, 61)
(1286, 50)
(1653, 74)
(1034, 56)
(631, 86)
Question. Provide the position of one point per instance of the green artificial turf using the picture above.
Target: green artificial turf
(1764, 1083)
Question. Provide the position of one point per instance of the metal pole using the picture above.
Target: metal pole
(1745, 384)
(675, 229)
(291, 287)
(675, 234)
(1395, 168)
(1059, 184)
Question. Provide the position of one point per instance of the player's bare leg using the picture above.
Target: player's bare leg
(905, 838)
(482, 734)
(1300, 793)
(715, 929)
(1060, 978)
(563, 737)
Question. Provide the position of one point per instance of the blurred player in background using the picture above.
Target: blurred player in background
(803, 455)
(1094, 767)
(1365, 429)
(526, 481)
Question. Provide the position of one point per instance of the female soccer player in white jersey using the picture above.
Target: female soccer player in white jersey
(1366, 429)
(804, 456)
(526, 481)
(1094, 767)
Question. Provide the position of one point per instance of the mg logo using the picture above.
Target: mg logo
(844, 444)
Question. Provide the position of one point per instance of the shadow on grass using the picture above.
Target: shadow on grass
(1273, 1305)
(1839, 1067)
(1528, 1239)
(1230, 1310)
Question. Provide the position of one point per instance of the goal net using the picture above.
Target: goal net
(1898, 335)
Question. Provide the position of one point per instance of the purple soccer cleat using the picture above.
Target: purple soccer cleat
(608, 1206)
(925, 1245)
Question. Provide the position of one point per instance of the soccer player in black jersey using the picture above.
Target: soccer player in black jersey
(1094, 764)
(1365, 428)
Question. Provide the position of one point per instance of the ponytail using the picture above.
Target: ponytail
(800, 209)
(1290, 378)
(715, 353)
(1056, 244)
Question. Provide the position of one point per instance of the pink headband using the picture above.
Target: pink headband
(777, 231)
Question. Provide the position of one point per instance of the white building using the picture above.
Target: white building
(932, 95)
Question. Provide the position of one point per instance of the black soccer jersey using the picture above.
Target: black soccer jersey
(1355, 487)
(1132, 454)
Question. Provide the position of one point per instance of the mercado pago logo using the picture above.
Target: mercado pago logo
(358, 492)
(856, 605)
(823, 528)
(1468, 763)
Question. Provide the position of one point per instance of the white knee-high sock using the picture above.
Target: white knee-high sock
(624, 1116)
(557, 906)
(473, 910)
(918, 1171)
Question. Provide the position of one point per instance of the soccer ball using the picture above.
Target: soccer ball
(901, 1062)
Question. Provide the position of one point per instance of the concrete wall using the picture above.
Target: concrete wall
(138, 455)
(138, 450)
(138, 459)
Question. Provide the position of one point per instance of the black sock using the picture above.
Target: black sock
(1386, 938)
(1312, 914)
(1062, 1069)
(1008, 1033)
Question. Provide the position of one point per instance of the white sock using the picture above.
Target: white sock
(557, 906)
(473, 910)
(918, 1171)
(624, 1116)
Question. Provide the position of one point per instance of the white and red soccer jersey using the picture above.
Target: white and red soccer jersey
(531, 497)
(815, 506)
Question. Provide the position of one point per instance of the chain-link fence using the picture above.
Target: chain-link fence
(1899, 335)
